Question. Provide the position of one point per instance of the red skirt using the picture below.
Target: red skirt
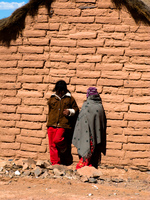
(86, 161)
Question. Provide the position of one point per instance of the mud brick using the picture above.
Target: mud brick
(135, 75)
(26, 154)
(140, 108)
(107, 20)
(88, 74)
(8, 93)
(85, 1)
(140, 162)
(31, 64)
(41, 26)
(110, 82)
(145, 76)
(82, 66)
(38, 72)
(90, 43)
(110, 51)
(10, 71)
(114, 75)
(114, 43)
(122, 28)
(6, 50)
(116, 123)
(62, 57)
(137, 154)
(54, 26)
(34, 118)
(114, 145)
(64, 5)
(60, 72)
(30, 49)
(140, 60)
(114, 115)
(10, 57)
(28, 125)
(11, 101)
(86, 27)
(10, 86)
(137, 117)
(89, 58)
(53, 80)
(34, 86)
(112, 98)
(9, 131)
(80, 19)
(7, 78)
(140, 45)
(136, 147)
(133, 67)
(8, 64)
(7, 138)
(35, 58)
(141, 92)
(80, 81)
(7, 123)
(33, 94)
(34, 33)
(83, 35)
(28, 140)
(138, 84)
(137, 53)
(137, 100)
(115, 161)
(93, 12)
(39, 41)
(136, 132)
(116, 153)
(33, 133)
(35, 101)
(42, 18)
(82, 50)
(45, 141)
(68, 12)
(10, 117)
(10, 146)
(29, 110)
(139, 139)
(139, 124)
(34, 148)
(7, 153)
(115, 130)
(117, 138)
(43, 156)
(63, 43)
(109, 67)
(115, 59)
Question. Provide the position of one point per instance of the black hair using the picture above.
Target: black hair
(60, 86)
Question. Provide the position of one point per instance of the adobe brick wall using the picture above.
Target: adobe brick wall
(86, 47)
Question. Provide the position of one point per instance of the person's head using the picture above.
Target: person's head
(60, 88)
(91, 91)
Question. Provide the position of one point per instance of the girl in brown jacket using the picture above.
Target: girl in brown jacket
(62, 115)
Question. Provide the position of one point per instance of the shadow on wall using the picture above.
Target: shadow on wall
(11, 27)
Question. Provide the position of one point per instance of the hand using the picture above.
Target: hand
(66, 112)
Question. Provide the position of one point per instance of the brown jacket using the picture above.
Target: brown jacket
(56, 118)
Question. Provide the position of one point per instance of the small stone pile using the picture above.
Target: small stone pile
(43, 169)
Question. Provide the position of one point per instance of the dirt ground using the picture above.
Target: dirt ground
(135, 186)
